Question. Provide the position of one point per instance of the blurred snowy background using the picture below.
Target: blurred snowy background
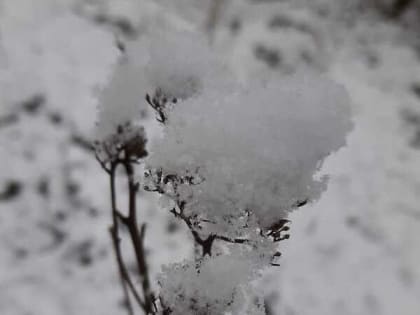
(355, 252)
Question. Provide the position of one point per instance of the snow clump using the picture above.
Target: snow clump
(256, 149)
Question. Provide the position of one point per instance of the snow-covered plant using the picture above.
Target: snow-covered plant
(233, 160)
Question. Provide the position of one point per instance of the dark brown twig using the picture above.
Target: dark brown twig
(136, 235)
(137, 238)
(114, 231)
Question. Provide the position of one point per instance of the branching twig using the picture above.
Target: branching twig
(126, 148)
(125, 278)
(205, 243)
(137, 235)
(137, 238)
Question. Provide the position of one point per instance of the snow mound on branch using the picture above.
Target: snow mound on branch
(182, 65)
(178, 64)
(122, 100)
(257, 149)
(213, 288)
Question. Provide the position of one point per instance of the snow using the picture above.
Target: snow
(265, 162)
(213, 289)
(157, 63)
(355, 251)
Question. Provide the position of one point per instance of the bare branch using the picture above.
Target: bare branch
(125, 277)
(137, 238)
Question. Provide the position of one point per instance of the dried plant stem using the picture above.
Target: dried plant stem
(137, 238)
(116, 245)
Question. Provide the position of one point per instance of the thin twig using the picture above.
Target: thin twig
(137, 238)
(125, 278)
(232, 240)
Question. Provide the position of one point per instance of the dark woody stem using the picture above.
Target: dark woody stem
(137, 239)
(114, 232)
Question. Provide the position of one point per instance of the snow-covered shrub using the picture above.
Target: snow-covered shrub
(149, 66)
(256, 149)
(232, 162)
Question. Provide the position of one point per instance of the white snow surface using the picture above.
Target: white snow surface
(353, 252)
(257, 148)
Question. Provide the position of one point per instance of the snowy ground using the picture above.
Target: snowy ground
(354, 252)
